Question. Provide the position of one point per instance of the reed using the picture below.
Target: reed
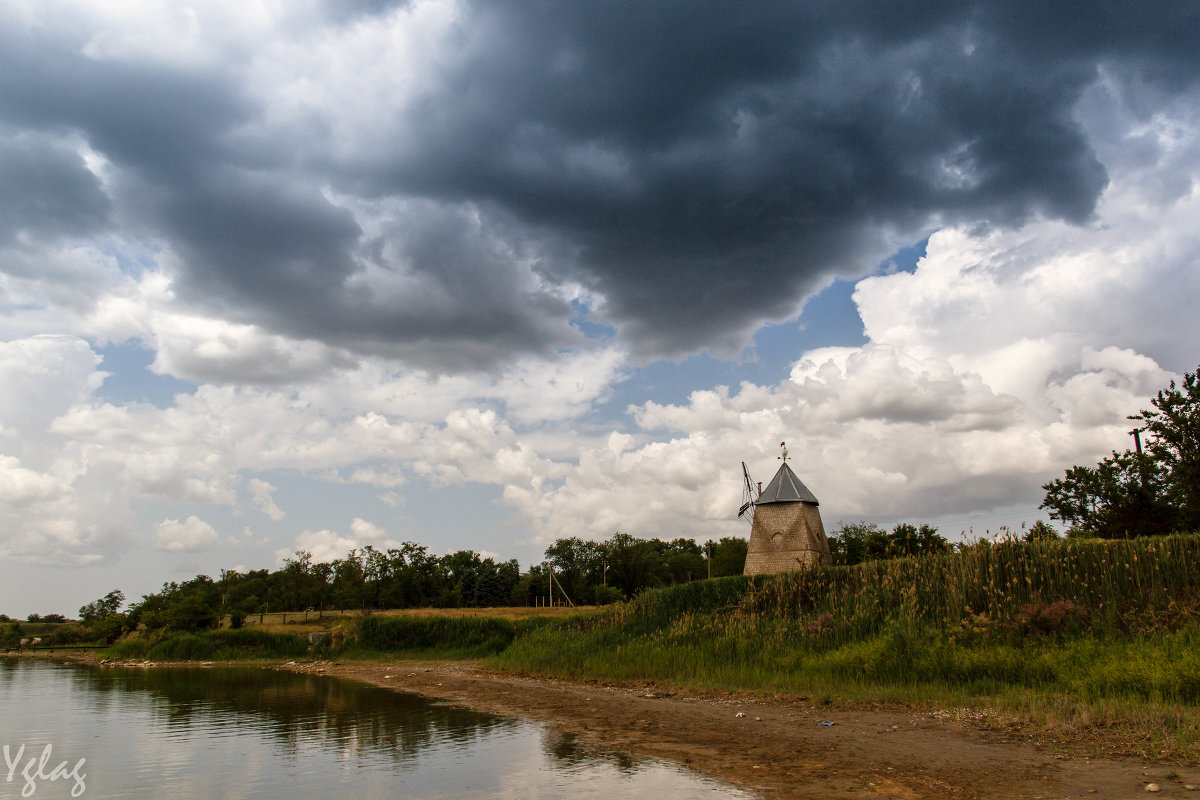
(1096, 618)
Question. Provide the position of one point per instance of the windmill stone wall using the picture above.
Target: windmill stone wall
(787, 533)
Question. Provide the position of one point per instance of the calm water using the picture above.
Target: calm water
(251, 733)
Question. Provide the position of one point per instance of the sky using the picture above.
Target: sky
(319, 274)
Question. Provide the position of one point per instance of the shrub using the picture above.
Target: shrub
(1050, 619)
(470, 636)
(183, 647)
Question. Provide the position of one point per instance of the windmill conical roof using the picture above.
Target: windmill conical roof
(785, 487)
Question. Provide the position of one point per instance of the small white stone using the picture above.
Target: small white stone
(1151, 787)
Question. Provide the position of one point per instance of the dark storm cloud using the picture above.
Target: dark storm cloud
(48, 192)
(700, 166)
(715, 163)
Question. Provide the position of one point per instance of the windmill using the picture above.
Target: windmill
(786, 532)
(749, 495)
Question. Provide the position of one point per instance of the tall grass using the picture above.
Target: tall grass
(222, 645)
(448, 637)
(1099, 619)
(1127, 586)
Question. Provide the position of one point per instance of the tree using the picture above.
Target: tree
(1173, 425)
(1136, 494)
(1123, 496)
(578, 565)
(857, 542)
(907, 539)
(727, 556)
(853, 543)
(630, 563)
(99, 609)
(1040, 532)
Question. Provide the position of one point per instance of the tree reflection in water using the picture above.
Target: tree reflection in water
(216, 732)
(293, 708)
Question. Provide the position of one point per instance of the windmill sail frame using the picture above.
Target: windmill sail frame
(748, 495)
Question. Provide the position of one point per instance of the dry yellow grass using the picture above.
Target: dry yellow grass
(296, 621)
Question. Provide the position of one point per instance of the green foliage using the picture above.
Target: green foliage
(225, 645)
(1040, 532)
(606, 595)
(99, 609)
(464, 637)
(1173, 428)
(191, 614)
(183, 647)
(408, 576)
(1057, 614)
(244, 643)
(108, 628)
(10, 635)
(1123, 496)
(857, 542)
(70, 634)
(578, 566)
(129, 649)
(1138, 494)
(728, 556)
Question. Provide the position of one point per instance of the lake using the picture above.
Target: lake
(244, 732)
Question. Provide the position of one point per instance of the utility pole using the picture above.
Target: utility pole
(1136, 433)
(563, 592)
(708, 550)
(550, 576)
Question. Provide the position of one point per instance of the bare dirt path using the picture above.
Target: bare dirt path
(778, 746)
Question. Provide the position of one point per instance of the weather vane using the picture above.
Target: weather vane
(783, 446)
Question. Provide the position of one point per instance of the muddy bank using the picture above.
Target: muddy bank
(780, 746)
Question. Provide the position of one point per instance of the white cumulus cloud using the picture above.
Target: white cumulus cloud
(193, 535)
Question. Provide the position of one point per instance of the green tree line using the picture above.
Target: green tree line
(409, 576)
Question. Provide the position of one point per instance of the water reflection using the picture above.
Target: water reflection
(253, 733)
(294, 709)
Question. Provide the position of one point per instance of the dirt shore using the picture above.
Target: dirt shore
(780, 746)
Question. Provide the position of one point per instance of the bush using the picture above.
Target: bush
(606, 595)
(227, 645)
(130, 648)
(1050, 619)
(461, 636)
(246, 643)
(183, 647)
